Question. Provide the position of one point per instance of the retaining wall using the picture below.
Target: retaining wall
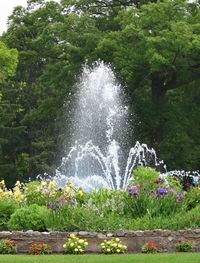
(133, 239)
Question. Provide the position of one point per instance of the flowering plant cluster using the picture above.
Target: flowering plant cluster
(16, 193)
(40, 248)
(42, 193)
(184, 245)
(150, 248)
(8, 246)
(75, 245)
(113, 246)
(155, 186)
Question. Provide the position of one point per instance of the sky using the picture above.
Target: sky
(6, 8)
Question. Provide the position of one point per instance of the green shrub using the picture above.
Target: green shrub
(74, 219)
(184, 246)
(192, 198)
(105, 202)
(29, 217)
(7, 208)
(34, 195)
(8, 246)
(151, 204)
(145, 177)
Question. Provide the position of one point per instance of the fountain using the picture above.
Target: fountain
(100, 155)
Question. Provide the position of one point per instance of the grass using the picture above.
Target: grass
(128, 258)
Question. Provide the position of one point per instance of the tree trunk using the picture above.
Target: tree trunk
(158, 89)
(158, 93)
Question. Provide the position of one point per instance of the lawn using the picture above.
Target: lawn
(131, 258)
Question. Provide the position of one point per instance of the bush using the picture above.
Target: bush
(39, 248)
(34, 195)
(192, 198)
(8, 246)
(145, 177)
(105, 202)
(153, 203)
(150, 248)
(7, 208)
(113, 246)
(29, 217)
(184, 246)
(74, 219)
(75, 245)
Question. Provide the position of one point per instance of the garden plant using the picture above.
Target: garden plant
(8, 246)
(113, 246)
(39, 248)
(150, 202)
(150, 248)
(184, 246)
(75, 245)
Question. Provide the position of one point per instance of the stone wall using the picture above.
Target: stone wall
(133, 239)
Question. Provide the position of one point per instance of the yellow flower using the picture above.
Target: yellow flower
(117, 239)
(18, 184)
(52, 185)
(72, 236)
(7, 194)
(72, 244)
(76, 249)
(3, 185)
(118, 250)
(43, 184)
(19, 197)
(86, 243)
(80, 192)
(64, 246)
(70, 194)
(108, 249)
(70, 185)
(67, 189)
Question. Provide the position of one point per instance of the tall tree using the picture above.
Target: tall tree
(8, 110)
(156, 51)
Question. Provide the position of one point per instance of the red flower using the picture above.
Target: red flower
(14, 242)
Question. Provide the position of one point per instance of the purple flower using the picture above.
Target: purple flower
(161, 191)
(133, 190)
(179, 197)
(52, 206)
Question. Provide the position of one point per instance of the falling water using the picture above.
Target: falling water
(100, 155)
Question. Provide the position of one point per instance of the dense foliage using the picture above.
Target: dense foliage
(158, 204)
(153, 47)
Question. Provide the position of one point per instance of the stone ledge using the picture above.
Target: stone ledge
(134, 240)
